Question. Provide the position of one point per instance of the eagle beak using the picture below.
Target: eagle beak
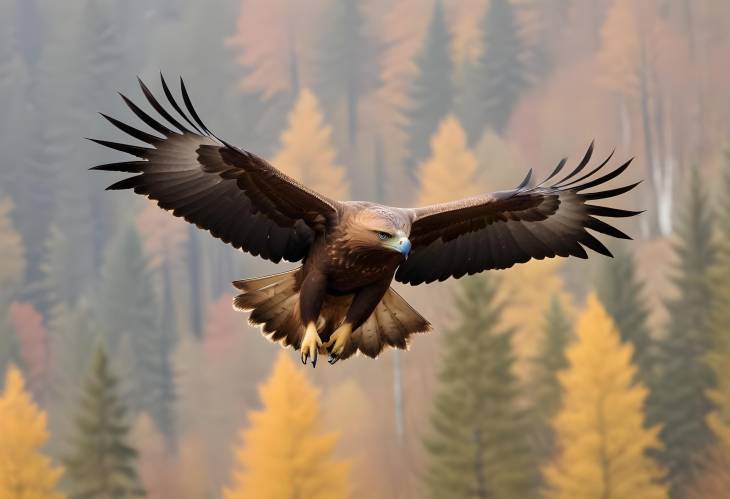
(404, 246)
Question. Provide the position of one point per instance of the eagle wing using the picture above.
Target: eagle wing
(235, 195)
(498, 230)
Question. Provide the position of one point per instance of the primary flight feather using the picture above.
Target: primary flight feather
(339, 301)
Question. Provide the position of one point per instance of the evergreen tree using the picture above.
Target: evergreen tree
(128, 313)
(621, 292)
(14, 81)
(25, 473)
(494, 84)
(72, 336)
(346, 64)
(679, 400)
(163, 410)
(431, 93)
(719, 357)
(477, 447)
(306, 151)
(283, 453)
(194, 271)
(451, 170)
(102, 463)
(69, 263)
(601, 436)
(550, 359)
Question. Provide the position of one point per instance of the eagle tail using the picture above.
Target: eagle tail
(273, 303)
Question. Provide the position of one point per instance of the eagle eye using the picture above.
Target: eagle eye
(383, 236)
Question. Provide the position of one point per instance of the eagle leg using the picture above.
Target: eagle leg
(338, 342)
(310, 344)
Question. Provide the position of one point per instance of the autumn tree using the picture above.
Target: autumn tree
(25, 473)
(602, 438)
(495, 83)
(283, 453)
(527, 291)
(346, 62)
(12, 272)
(306, 151)
(682, 352)
(622, 293)
(431, 92)
(32, 341)
(289, 28)
(477, 444)
(451, 170)
(546, 392)
(101, 462)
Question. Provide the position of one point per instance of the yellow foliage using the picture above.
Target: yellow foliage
(601, 437)
(450, 171)
(307, 153)
(619, 57)
(283, 452)
(25, 473)
(465, 19)
(501, 163)
(12, 264)
(527, 290)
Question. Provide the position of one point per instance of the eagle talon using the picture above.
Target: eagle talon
(310, 345)
(333, 359)
(338, 342)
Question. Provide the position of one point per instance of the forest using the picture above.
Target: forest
(125, 372)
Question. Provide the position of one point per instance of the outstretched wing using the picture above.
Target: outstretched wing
(496, 231)
(237, 196)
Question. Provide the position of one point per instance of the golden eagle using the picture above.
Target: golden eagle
(339, 301)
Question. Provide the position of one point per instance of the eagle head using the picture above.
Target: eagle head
(379, 229)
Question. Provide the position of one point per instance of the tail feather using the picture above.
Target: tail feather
(273, 303)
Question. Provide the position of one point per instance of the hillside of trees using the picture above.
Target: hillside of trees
(125, 371)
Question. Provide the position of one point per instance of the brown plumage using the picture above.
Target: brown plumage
(340, 300)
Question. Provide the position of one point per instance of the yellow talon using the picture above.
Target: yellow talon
(310, 344)
(339, 340)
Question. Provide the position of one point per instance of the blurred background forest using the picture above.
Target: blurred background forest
(126, 371)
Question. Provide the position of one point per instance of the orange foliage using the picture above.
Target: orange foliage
(28, 325)
(270, 35)
(162, 235)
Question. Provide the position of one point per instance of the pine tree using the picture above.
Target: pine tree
(477, 447)
(69, 262)
(283, 453)
(494, 84)
(128, 312)
(719, 356)
(306, 151)
(14, 82)
(550, 359)
(450, 172)
(25, 473)
(601, 436)
(431, 92)
(72, 335)
(679, 400)
(346, 62)
(621, 292)
(101, 463)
